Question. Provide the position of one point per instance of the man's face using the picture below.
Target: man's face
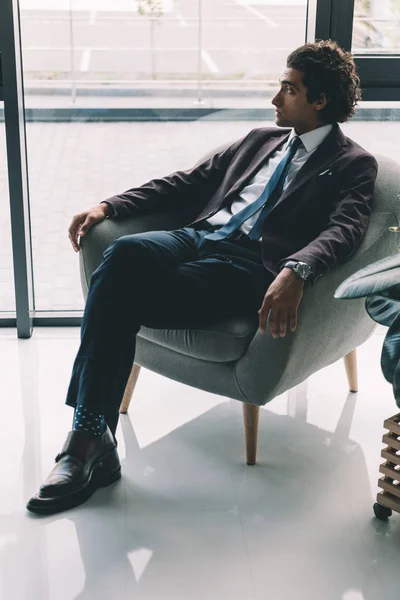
(292, 106)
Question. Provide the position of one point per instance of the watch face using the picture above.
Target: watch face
(303, 270)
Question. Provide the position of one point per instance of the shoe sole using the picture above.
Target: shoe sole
(105, 471)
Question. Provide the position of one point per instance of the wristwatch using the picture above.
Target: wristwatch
(301, 269)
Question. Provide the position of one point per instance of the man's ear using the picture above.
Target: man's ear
(321, 102)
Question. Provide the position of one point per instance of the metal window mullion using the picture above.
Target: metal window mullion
(323, 20)
(334, 20)
(10, 47)
(342, 18)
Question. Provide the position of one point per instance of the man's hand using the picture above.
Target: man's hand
(282, 301)
(82, 222)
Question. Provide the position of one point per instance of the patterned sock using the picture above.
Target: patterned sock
(90, 421)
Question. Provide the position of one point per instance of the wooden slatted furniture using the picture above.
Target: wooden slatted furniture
(389, 498)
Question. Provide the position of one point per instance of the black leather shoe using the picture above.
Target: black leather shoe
(85, 463)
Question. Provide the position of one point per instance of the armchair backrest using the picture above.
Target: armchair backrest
(386, 209)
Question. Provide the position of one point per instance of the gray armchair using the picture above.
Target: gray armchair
(232, 358)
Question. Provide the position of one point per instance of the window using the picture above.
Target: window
(116, 96)
(120, 91)
(376, 28)
(7, 294)
(376, 45)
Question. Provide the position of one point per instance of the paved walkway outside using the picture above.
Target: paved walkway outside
(73, 166)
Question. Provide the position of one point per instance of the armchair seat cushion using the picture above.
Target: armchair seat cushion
(224, 341)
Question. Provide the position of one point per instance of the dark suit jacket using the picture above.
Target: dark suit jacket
(320, 219)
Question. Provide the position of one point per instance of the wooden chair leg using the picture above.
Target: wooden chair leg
(350, 363)
(130, 386)
(251, 415)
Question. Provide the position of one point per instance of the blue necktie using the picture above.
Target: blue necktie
(275, 184)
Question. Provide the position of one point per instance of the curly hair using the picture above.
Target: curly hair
(330, 70)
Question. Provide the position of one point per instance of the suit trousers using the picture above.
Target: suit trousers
(160, 279)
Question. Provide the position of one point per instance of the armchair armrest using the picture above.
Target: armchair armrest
(327, 328)
(97, 239)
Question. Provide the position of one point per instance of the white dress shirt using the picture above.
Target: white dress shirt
(256, 186)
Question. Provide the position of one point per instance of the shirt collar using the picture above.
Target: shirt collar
(312, 139)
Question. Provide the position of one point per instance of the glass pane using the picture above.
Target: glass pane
(107, 55)
(376, 26)
(7, 296)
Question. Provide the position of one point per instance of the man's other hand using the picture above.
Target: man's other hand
(82, 222)
(281, 301)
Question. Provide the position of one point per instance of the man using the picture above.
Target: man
(264, 217)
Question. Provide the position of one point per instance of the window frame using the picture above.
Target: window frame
(325, 19)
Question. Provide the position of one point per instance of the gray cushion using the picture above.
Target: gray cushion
(225, 341)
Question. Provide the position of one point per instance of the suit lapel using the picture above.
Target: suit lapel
(328, 151)
(259, 159)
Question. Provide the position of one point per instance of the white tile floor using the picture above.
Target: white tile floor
(188, 520)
